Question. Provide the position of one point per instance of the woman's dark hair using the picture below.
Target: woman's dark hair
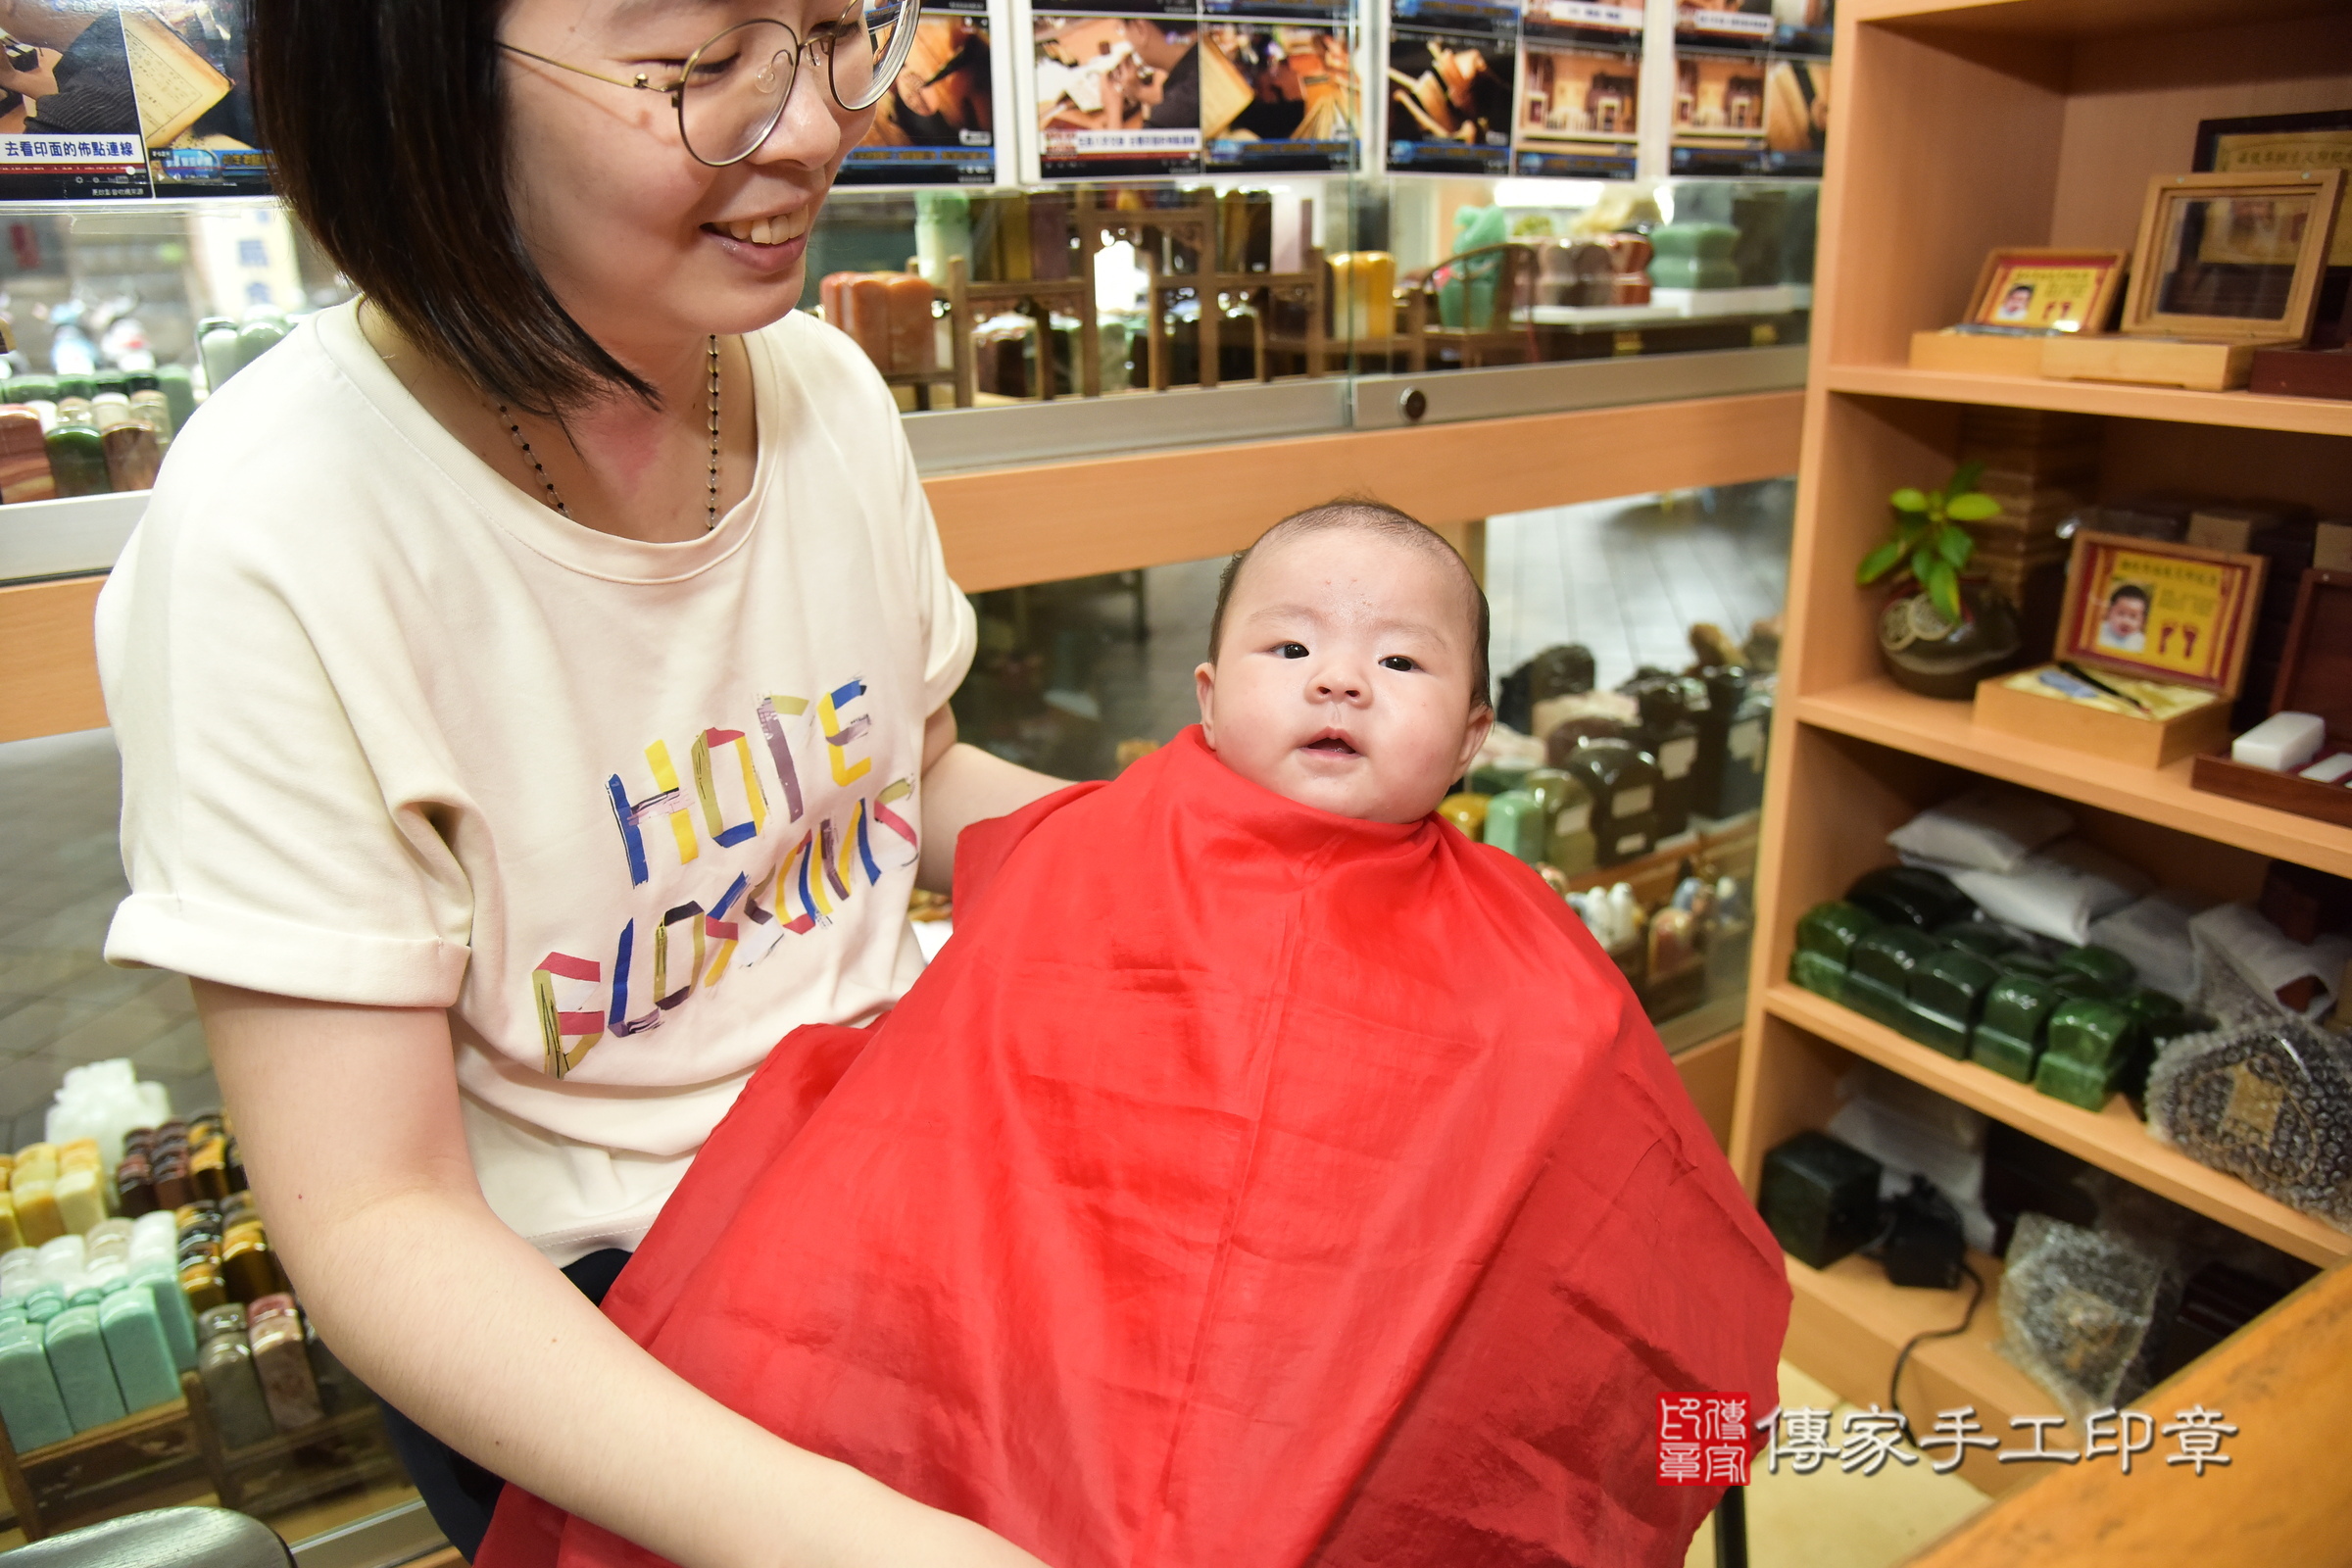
(387, 119)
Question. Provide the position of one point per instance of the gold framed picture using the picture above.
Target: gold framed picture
(2037, 290)
(2231, 256)
(2160, 612)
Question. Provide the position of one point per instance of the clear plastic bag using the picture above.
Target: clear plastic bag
(2268, 1101)
(2079, 1310)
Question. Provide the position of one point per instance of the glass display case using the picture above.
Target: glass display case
(1059, 253)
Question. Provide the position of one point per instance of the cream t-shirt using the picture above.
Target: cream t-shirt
(394, 733)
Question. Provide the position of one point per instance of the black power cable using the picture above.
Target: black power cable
(1894, 1379)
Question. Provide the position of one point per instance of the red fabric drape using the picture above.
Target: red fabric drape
(1244, 1185)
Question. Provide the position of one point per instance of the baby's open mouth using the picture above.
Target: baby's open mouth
(1332, 745)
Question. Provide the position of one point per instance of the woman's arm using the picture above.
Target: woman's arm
(964, 785)
(348, 1122)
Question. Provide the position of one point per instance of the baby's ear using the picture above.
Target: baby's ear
(1474, 736)
(1205, 690)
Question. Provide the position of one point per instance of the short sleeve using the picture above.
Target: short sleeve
(950, 630)
(261, 848)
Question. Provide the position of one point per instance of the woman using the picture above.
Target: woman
(531, 684)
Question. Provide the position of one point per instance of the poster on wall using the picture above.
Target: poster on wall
(1718, 111)
(1117, 94)
(100, 99)
(187, 61)
(1737, 25)
(1450, 100)
(937, 125)
(1277, 97)
(70, 124)
(1796, 115)
(1804, 27)
(1579, 79)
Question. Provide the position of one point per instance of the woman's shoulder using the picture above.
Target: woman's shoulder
(298, 446)
(823, 369)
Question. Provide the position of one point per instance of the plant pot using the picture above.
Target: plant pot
(1929, 655)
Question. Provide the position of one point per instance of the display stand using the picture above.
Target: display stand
(1965, 123)
(171, 1452)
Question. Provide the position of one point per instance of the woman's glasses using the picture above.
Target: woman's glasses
(733, 89)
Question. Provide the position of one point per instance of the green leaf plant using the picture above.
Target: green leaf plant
(1927, 547)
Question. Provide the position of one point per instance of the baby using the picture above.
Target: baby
(1266, 1174)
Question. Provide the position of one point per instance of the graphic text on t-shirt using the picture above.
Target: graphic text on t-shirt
(796, 878)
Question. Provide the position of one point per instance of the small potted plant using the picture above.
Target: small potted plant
(1941, 632)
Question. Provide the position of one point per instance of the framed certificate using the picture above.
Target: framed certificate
(2160, 612)
(2029, 290)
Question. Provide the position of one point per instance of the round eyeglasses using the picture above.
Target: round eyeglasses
(732, 90)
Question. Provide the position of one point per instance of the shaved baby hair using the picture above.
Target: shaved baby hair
(1366, 516)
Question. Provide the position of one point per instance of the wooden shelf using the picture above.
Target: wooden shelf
(2245, 411)
(2084, 19)
(1847, 1324)
(2114, 1139)
(1882, 713)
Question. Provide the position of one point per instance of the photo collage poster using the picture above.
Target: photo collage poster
(104, 99)
(1452, 68)
(1579, 81)
(937, 125)
(1157, 88)
(1752, 86)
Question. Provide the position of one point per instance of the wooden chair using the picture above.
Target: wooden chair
(970, 303)
(1475, 303)
(1319, 346)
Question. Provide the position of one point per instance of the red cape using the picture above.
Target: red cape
(1245, 1185)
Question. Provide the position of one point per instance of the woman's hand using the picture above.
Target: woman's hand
(348, 1122)
(964, 785)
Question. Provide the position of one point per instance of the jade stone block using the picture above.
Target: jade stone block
(1911, 895)
(2077, 1082)
(1893, 954)
(2086, 1030)
(1878, 983)
(2009, 1037)
(2011, 1056)
(1822, 975)
(2149, 1009)
(1832, 929)
(1515, 825)
(2110, 968)
(1980, 937)
(1947, 995)
(2076, 983)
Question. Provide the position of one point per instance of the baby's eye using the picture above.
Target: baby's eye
(1398, 661)
(1292, 650)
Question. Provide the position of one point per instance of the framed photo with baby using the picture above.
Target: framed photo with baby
(2023, 289)
(2171, 613)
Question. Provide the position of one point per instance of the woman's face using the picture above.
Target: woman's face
(647, 247)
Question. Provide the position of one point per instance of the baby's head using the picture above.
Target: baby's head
(1347, 664)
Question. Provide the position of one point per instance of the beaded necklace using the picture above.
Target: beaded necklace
(711, 494)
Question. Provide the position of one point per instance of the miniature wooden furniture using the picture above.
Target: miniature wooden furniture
(1497, 284)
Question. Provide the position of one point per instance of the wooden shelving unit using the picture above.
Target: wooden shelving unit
(2244, 410)
(2113, 1139)
(1881, 711)
(1964, 124)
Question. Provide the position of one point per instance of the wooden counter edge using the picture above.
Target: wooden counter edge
(1044, 521)
(48, 658)
(2284, 1497)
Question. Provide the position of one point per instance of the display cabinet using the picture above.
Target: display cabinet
(1964, 126)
